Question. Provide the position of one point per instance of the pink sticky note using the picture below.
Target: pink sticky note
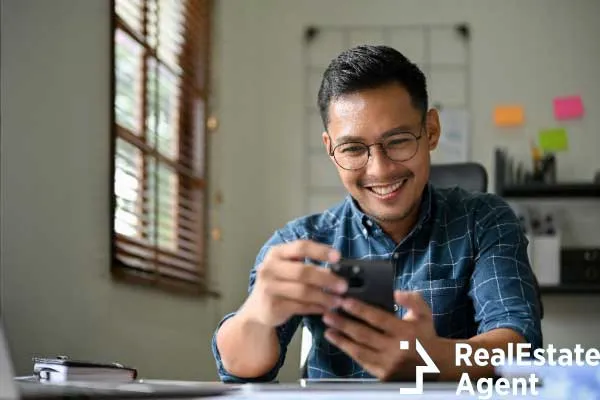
(568, 107)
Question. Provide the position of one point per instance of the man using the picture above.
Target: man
(462, 273)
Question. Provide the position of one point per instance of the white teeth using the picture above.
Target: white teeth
(384, 190)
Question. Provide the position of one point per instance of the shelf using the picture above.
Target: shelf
(559, 190)
(571, 289)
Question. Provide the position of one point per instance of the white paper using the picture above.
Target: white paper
(453, 146)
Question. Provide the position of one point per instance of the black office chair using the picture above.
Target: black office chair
(469, 176)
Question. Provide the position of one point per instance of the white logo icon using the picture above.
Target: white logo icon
(428, 368)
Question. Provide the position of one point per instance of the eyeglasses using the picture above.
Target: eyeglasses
(399, 147)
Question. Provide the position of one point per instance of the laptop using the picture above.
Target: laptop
(12, 387)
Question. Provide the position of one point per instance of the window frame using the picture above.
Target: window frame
(188, 115)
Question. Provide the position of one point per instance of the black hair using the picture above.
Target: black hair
(368, 67)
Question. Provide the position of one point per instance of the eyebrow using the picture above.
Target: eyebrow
(384, 135)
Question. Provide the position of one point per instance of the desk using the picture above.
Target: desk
(213, 390)
(584, 386)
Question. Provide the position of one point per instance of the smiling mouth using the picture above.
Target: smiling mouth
(386, 190)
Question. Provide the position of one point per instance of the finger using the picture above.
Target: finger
(414, 302)
(303, 293)
(368, 358)
(311, 275)
(301, 249)
(376, 317)
(357, 331)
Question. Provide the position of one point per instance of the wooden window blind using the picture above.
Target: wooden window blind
(160, 74)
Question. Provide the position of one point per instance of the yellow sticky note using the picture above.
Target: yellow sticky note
(555, 139)
(509, 115)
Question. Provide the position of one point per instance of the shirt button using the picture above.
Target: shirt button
(395, 256)
(365, 232)
(396, 308)
(369, 222)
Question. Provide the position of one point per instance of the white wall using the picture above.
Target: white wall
(57, 296)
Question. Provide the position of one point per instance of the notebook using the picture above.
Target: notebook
(63, 369)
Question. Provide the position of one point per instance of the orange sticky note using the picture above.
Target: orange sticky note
(509, 115)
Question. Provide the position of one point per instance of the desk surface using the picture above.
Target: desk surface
(285, 391)
(213, 390)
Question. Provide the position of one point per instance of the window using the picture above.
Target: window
(160, 70)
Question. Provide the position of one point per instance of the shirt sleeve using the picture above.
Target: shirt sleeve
(503, 287)
(285, 332)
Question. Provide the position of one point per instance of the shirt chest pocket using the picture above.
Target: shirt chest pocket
(445, 297)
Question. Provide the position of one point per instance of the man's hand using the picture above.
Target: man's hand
(286, 286)
(376, 344)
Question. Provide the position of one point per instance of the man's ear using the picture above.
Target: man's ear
(433, 128)
(326, 141)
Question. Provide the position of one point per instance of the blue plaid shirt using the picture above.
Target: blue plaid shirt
(467, 256)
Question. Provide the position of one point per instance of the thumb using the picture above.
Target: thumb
(414, 302)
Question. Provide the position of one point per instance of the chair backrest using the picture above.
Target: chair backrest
(469, 176)
(305, 346)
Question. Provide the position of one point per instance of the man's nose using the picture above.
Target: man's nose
(379, 161)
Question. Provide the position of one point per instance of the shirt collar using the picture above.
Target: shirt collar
(368, 224)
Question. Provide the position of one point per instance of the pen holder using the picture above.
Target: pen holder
(546, 258)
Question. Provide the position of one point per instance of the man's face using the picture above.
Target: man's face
(385, 189)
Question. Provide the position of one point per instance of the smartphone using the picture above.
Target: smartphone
(370, 281)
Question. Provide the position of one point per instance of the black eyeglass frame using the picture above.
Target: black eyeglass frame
(383, 148)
